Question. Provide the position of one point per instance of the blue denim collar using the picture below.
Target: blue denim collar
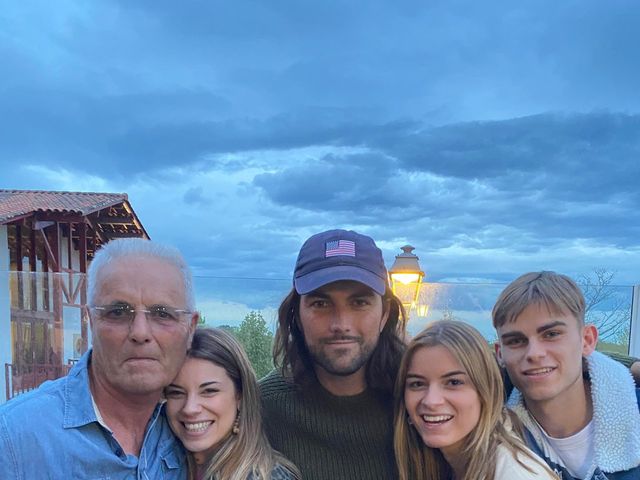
(78, 407)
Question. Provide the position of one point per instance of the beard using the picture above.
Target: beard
(341, 361)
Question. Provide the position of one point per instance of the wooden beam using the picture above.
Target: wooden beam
(55, 244)
(98, 236)
(19, 248)
(32, 251)
(60, 217)
(69, 247)
(113, 235)
(84, 317)
(82, 246)
(18, 219)
(45, 283)
(78, 288)
(33, 268)
(58, 320)
(137, 222)
(90, 220)
(19, 266)
(126, 220)
(55, 266)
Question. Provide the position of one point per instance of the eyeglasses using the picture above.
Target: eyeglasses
(123, 313)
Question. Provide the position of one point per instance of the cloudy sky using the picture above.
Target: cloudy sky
(496, 137)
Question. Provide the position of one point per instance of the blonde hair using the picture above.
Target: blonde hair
(558, 293)
(248, 452)
(415, 460)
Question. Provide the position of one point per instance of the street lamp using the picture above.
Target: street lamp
(406, 279)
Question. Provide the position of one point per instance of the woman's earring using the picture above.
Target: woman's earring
(236, 424)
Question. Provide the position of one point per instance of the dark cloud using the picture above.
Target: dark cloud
(550, 175)
(434, 114)
(410, 57)
(196, 196)
(69, 128)
(179, 82)
(355, 182)
(170, 143)
(155, 129)
(529, 145)
(571, 157)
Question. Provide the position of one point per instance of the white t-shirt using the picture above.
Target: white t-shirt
(576, 451)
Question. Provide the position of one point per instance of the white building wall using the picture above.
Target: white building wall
(71, 315)
(5, 310)
(64, 254)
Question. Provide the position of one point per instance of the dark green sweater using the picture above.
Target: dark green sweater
(330, 437)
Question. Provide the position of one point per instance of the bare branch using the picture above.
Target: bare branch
(606, 306)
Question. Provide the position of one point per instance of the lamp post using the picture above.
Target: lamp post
(406, 280)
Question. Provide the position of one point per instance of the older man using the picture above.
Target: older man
(104, 419)
(339, 343)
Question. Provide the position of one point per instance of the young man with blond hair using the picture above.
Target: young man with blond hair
(579, 407)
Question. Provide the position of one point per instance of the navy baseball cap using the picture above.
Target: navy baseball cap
(335, 255)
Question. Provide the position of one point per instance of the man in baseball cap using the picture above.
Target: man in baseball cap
(328, 405)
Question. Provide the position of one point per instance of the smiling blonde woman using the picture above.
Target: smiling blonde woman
(213, 408)
(450, 422)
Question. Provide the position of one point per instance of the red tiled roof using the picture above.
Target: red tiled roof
(17, 203)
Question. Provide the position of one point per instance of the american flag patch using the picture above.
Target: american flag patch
(340, 247)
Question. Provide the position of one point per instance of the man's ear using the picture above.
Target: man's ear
(589, 339)
(195, 318)
(496, 347)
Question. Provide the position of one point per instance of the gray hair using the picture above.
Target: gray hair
(140, 247)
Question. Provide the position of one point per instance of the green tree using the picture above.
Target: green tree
(230, 329)
(257, 340)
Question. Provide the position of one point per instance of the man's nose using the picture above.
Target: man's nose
(535, 350)
(341, 319)
(140, 328)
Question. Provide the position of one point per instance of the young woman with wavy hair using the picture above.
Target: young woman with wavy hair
(450, 421)
(214, 409)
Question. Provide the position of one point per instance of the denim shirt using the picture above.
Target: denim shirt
(53, 432)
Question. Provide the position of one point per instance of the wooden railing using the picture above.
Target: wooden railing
(31, 379)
